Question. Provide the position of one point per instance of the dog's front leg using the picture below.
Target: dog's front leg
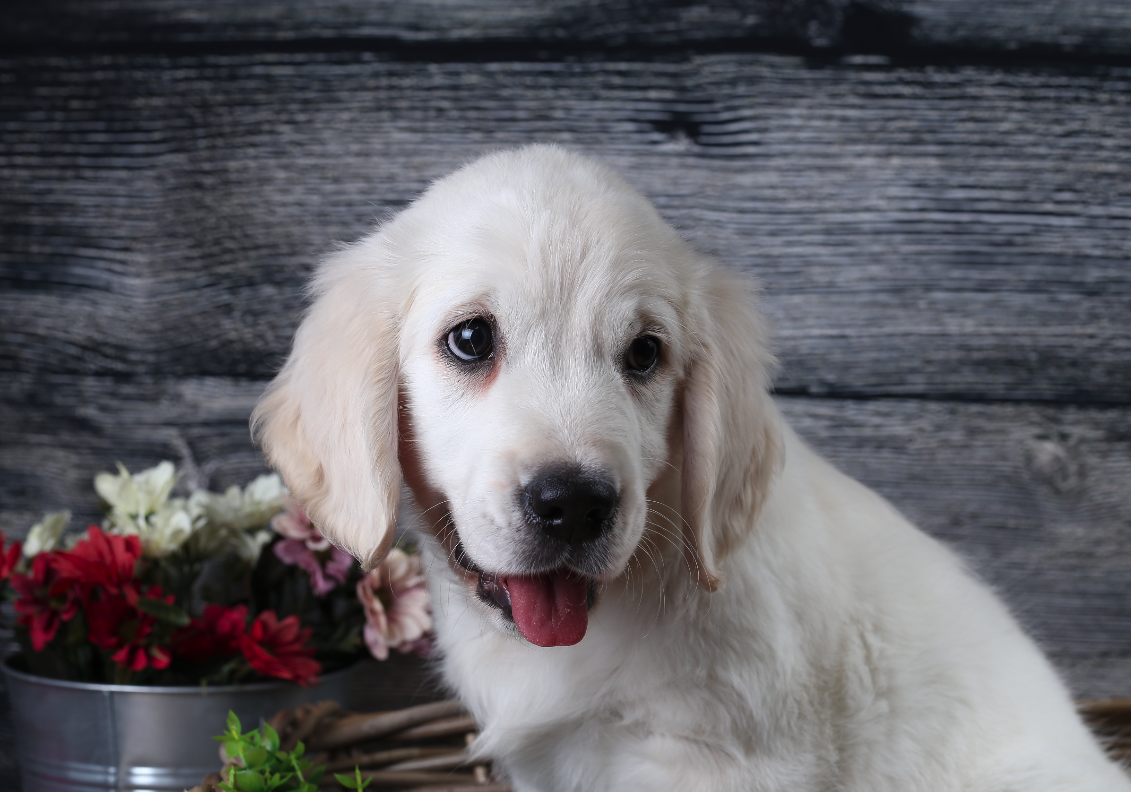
(603, 759)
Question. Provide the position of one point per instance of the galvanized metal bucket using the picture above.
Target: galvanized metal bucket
(79, 737)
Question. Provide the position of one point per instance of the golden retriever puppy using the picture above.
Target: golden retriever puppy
(642, 578)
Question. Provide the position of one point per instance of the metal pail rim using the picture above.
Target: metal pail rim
(183, 690)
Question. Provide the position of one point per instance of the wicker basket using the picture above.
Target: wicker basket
(424, 748)
(1110, 720)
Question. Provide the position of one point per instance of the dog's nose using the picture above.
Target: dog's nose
(570, 505)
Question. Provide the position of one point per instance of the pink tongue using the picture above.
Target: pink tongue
(550, 609)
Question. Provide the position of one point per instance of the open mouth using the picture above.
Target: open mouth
(549, 609)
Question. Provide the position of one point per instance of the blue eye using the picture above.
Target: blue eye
(471, 341)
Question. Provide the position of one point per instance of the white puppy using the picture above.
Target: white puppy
(643, 580)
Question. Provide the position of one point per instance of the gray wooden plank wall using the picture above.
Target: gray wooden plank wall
(935, 195)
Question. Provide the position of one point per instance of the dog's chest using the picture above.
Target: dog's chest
(620, 712)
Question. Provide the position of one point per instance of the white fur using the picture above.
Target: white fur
(763, 621)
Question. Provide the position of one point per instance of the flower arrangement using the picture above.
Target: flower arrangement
(210, 588)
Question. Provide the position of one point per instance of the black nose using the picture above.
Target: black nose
(570, 505)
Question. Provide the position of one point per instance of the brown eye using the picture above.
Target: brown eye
(471, 341)
(642, 354)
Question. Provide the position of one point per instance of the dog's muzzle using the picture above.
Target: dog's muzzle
(567, 512)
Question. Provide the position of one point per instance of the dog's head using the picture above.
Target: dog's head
(552, 371)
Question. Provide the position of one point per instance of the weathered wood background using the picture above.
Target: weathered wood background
(935, 194)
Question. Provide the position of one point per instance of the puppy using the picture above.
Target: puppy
(642, 579)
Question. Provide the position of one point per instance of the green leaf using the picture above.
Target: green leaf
(298, 764)
(227, 786)
(255, 757)
(250, 781)
(354, 782)
(276, 780)
(163, 611)
(270, 738)
(266, 768)
(345, 780)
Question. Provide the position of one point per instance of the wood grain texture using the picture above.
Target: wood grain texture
(1036, 497)
(1078, 27)
(427, 20)
(1084, 28)
(58, 431)
(936, 198)
(957, 232)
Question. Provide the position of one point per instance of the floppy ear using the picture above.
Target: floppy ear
(328, 422)
(732, 444)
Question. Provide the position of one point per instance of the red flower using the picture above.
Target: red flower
(107, 616)
(117, 626)
(9, 559)
(44, 600)
(216, 635)
(102, 561)
(137, 656)
(278, 648)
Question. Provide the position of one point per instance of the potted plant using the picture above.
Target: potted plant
(139, 635)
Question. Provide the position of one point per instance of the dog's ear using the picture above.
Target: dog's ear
(732, 444)
(328, 422)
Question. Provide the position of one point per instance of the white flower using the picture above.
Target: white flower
(250, 507)
(215, 524)
(230, 518)
(264, 495)
(44, 535)
(140, 506)
(140, 495)
(161, 532)
(249, 544)
(168, 528)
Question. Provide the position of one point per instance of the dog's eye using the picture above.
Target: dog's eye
(642, 354)
(471, 340)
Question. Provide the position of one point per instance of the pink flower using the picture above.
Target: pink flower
(397, 611)
(293, 523)
(305, 548)
(421, 647)
(323, 579)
